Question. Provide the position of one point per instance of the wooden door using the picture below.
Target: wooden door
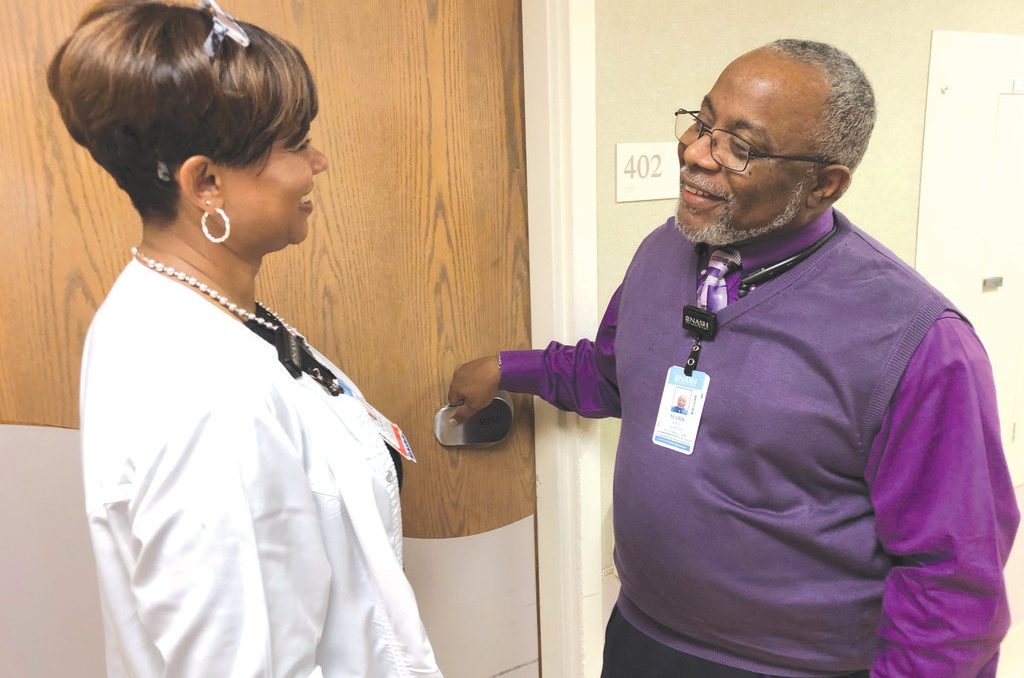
(417, 258)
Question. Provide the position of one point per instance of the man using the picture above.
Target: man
(680, 406)
(823, 509)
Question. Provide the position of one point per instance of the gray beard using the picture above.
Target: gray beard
(722, 231)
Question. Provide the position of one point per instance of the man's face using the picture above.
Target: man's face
(774, 104)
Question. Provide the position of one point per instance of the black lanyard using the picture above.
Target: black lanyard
(293, 352)
(702, 324)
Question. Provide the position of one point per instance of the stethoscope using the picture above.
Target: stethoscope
(772, 271)
(701, 324)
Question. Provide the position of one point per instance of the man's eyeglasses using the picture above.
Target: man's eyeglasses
(729, 150)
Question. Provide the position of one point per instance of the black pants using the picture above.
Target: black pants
(628, 653)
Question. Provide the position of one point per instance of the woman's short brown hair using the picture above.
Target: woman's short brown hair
(135, 87)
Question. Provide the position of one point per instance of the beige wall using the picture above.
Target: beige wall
(654, 56)
(50, 622)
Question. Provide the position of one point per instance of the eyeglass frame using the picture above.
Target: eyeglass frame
(752, 152)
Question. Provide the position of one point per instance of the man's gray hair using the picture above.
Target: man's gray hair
(849, 114)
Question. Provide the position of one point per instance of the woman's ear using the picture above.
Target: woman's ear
(200, 184)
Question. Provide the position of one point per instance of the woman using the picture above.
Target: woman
(241, 497)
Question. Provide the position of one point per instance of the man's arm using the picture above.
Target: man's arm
(578, 378)
(945, 511)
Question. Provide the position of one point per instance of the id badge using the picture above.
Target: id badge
(390, 432)
(680, 409)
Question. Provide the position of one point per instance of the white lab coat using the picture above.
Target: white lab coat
(245, 523)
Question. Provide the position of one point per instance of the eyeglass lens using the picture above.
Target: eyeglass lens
(727, 149)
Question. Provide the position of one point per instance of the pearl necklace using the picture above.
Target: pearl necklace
(203, 288)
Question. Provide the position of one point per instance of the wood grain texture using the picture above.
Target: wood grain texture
(66, 227)
(417, 258)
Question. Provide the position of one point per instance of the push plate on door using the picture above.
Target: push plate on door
(487, 427)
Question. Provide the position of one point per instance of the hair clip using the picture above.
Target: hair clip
(223, 25)
(162, 171)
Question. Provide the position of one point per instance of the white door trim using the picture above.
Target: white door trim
(559, 72)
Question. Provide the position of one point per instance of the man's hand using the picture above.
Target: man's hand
(473, 387)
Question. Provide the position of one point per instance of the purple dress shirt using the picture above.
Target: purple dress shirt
(943, 416)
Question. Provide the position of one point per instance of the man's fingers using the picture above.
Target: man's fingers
(472, 388)
(458, 416)
(462, 413)
(455, 398)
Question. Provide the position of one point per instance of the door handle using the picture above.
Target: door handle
(487, 427)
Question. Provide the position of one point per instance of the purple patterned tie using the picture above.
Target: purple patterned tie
(712, 293)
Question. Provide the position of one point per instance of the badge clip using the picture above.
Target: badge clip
(289, 351)
(699, 323)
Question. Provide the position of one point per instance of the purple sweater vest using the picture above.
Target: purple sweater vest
(759, 549)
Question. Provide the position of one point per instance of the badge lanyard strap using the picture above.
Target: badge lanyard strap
(700, 323)
(293, 352)
(691, 362)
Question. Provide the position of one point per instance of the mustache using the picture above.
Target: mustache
(702, 183)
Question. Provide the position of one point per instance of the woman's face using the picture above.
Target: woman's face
(269, 204)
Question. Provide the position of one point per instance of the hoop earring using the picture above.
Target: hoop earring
(227, 226)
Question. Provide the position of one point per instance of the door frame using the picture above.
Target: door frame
(559, 75)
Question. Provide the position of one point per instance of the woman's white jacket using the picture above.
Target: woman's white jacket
(245, 523)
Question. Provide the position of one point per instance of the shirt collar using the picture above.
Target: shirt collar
(775, 247)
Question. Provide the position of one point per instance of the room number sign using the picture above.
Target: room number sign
(646, 171)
